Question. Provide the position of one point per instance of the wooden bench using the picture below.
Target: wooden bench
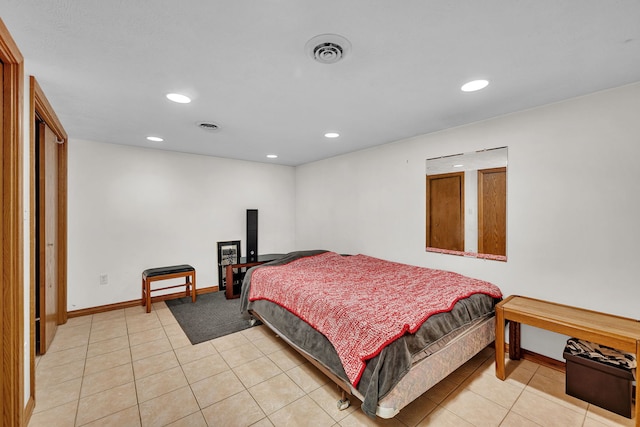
(164, 273)
(621, 333)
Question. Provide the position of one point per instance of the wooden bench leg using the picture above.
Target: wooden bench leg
(148, 290)
(499, 343)
(188, 285)
(193, 293)
(515, 351)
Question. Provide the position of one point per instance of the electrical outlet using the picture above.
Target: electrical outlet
(104, 279)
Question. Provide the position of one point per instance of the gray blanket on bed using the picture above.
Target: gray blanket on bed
(385, 370)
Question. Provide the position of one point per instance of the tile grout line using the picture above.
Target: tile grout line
(173, 349)
(86, 356)
(135, 383)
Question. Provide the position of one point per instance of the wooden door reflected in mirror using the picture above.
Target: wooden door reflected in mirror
(445, 211)
(492, 211)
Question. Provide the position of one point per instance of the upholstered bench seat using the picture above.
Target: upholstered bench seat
(161, 271)
(164, 273)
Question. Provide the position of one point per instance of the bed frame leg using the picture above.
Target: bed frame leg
(344, 402)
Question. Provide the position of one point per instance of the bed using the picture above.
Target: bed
(385, 332)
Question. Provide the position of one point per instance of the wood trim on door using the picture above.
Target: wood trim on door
(45, 111)
(41, 108)
(13, 411)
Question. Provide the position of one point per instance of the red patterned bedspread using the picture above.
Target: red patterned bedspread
(361, 303)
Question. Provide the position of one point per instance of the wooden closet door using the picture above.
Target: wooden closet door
(48, 238)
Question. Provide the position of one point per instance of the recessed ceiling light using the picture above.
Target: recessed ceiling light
(180, 99)
(272, 156)
(155, 138)
(331, 135)
(458, 166)
(474, 85)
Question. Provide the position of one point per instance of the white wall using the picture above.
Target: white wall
(573, 204)
(131, 208)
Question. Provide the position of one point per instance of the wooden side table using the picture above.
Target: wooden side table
(229, 294)
(618, 332)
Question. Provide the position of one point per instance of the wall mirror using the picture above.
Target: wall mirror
(467, 204)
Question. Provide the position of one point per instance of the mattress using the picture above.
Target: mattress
(445, 341)
(433, 369)
(385, 371)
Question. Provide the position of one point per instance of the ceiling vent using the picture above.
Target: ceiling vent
(208, 126)
(328, 48)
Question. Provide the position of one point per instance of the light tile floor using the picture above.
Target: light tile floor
(130, 368)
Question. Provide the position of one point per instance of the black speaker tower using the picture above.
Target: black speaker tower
(252, 235)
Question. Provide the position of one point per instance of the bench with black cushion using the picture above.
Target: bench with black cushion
(164, 273)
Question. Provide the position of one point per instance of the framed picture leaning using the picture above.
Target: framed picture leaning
(228, 253)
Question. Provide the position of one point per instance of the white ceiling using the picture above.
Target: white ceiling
(106, 65)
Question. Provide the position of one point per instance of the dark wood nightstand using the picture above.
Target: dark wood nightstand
(229, 292)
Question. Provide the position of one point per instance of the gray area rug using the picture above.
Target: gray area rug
(211, 316)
